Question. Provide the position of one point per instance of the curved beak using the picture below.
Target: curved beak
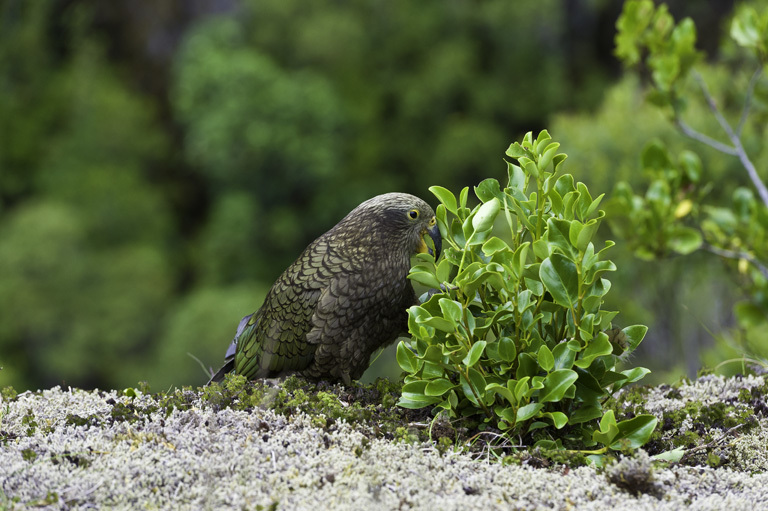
(434, 233)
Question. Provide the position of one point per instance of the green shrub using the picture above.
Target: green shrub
(515, 332)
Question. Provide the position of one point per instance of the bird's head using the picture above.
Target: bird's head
(403, 219)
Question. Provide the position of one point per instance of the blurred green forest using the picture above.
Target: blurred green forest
(162, 162)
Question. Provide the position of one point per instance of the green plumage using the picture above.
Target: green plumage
(342, 299)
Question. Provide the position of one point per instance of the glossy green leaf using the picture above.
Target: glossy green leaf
(565, 185)
(438, 323)
(519, 259)
(569, 205)
(556, 201)
(516, 177)
(445, 197)
(559, 276)
(406, 358)
(507, 349)
(548, 155)
(521, 388)
(588, 389)
(545, 358)
(506, 393)
(442, 222)
(525, 300)
(585, 414)
(559, 419)
(485, 216)
(443, 270)
(522, 215)
(434, 353)
(438, 387)
(528, 411)
(608, 429)
(564, 356)
(426, 278)
(457, 233)
(488, 189)
(475, 352)
(413, 396)
(490, 274)
(541, 138)
(633, 375)
(556, 384)
(515, 150)
(611, 377)
(593, 207)
(634, 432)
(558, 236)
(431, 370)
(587, 232)
(452, 310)
(541, 249)
(574, 228)
(506, 412)
(597, 269)
(530, 167)
(494, 245)
(463, 195)
(635, 335)
(597, 347)
(558, 160)
(526, 365)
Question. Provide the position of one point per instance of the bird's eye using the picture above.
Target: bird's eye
(413, 214)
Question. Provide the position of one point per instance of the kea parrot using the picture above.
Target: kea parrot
(344, 297)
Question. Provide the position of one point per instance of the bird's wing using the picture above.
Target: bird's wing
(348, 300)
(356, 314)
(278, 344)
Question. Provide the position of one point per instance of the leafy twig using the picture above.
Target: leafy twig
(731, 254)
(735, 140)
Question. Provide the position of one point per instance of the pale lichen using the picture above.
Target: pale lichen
(194, 450)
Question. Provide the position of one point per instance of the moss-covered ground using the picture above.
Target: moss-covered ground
(57, 441)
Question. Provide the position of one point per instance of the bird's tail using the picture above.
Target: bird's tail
(229, 356)
(228, 367)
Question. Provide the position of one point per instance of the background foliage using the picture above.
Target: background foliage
(678, 213)
(161, 164)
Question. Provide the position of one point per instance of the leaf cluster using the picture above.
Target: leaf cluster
(655, 223)
(671, 47)
(749, 28)
(513, 330)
